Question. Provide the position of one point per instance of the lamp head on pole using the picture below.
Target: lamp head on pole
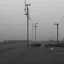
(56, 23)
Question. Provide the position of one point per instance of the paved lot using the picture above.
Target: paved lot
(10, 53)
(33, 55)
(41, 55)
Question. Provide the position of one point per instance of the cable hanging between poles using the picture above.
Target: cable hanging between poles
(61, 19)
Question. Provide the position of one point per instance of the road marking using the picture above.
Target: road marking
(51, 48)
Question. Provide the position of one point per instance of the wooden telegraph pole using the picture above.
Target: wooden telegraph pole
(27, 14)
(35, 30)
(57, 31)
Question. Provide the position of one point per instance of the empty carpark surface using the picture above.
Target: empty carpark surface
(42, 55)
(33, 55)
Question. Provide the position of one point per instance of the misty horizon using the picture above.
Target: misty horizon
(13, 22)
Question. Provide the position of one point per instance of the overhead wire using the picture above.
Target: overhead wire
(61, 19)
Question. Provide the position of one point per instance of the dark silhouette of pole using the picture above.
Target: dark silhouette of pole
(35, 30)
(32, 32)
(57, 31)
(27, 14)
(57, 28)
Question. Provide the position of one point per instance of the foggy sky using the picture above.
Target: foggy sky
(45, 12)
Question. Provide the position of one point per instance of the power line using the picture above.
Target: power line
(61, 18)
(32, 25)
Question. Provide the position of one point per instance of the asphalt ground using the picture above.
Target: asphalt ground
(32, 55)
(42, 55)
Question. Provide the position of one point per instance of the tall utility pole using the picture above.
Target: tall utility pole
(57, 31)
(57, 27)
(32, 32)
(35, 30)
(27, 14)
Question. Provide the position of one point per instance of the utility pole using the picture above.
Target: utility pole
(27, 14)
(57, 31)
(32, 32)
(57, 27)
(35, 30)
